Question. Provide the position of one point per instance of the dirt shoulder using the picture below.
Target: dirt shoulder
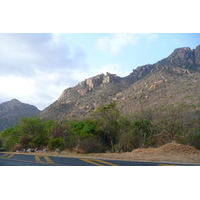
(171, 152)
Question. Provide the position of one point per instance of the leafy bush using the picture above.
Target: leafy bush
(57, 143)
(91, 145)
(41, 140)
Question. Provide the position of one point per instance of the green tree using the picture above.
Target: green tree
(77, 131)
(10, 137)
(31, 126)
(36, 131)
(41, 140)
(30, 132)
(108, 124)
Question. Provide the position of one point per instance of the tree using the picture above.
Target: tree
(41, 140)
(31, 126)
(10, 137)
(173, 121)
(77, 131)
(143, 131)
(108, 123)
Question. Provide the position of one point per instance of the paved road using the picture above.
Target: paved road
(10, 159)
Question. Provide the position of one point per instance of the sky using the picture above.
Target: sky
(37, 67)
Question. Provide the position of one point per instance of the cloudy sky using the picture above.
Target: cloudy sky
(36, 68)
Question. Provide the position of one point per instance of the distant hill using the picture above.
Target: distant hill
(170, 80)
(12, 111)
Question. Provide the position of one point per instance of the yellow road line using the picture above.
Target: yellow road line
(11, 155)
(106, 162)
(48, 160)
(37, 159)
(89, 161)
(5, 155)
(34, 161)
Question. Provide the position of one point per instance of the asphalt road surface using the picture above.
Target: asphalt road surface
(10, 159)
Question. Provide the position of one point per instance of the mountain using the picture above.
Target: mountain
(12, 111)
(170, 80)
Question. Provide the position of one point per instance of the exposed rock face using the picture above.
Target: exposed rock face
(182, 55)
(197, 55)
(141, 71)
(185, 56)
(99, 79)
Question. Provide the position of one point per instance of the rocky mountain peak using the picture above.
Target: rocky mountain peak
(185, 55)
(99, 79)
(88, 85)
(139, 72)
(11, 111)
(14, 102)
(182, 55)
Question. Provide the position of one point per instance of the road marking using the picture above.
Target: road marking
(48, 160)
(106, 162)
(37, 159)
(11, 155)
(89, 161)
(7, 155)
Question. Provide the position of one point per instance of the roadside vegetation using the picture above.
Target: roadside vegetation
(107, 130)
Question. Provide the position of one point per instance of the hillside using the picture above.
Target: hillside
(12, 111)
(170, 80)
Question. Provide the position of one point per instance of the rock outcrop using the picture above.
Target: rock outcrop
(141, 71)
(197, 55)
(185, 56)
(99, 79)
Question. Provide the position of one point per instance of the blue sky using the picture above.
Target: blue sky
(36, 68)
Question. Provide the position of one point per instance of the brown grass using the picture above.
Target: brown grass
(171, 152)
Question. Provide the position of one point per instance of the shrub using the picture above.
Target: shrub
(91, 145)
(41, 140)
(57, 143)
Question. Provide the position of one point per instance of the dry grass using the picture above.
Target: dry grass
(171, 152)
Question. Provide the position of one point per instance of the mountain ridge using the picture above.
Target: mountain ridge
(168, 81)
(11, 112)
(182, 64)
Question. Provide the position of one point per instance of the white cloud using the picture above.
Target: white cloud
(114, 44)
(112, 68)
(36, 68)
